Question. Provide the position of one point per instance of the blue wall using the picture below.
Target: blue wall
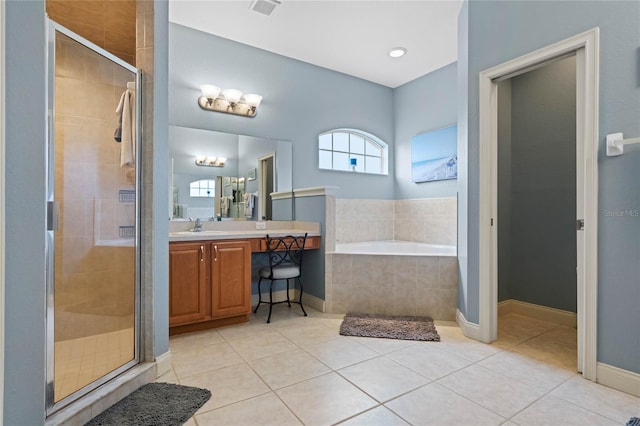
(540, 188)
(26, 124)
(500, 31)
(299, 102)
(26, 149)
(426, 103)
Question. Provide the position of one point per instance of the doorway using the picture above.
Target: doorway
(536, 197)
(92, 311)
(266, 176)
(585, 47)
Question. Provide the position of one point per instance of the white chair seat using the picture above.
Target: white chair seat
(281, 272)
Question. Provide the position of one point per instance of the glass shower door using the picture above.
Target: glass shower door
(92, 314)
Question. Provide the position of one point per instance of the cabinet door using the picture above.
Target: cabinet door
(231, 278)
(188, 284)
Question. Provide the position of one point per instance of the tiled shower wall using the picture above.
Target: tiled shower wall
(427, 220)
(94, 274)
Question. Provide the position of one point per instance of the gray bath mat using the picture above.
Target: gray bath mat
(633, 421)
(389, 327)
(154, 404)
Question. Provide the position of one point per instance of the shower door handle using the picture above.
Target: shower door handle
(53, 215)
(580, 225)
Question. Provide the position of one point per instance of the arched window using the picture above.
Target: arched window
(352, 150)
(203, 188)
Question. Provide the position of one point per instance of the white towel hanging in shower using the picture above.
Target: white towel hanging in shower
(127, 117)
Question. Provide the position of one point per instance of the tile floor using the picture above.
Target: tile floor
(299, 370)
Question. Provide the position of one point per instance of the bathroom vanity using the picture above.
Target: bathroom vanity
(210, 270)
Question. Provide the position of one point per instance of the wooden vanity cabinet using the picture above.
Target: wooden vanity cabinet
(230, 268)
(209, 284)
(189, 289)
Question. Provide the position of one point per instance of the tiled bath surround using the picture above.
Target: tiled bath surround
(363, 220)
(393, 285)
(427, 220)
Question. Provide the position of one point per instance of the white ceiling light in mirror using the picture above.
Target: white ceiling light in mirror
(210, 161)
(231, 101)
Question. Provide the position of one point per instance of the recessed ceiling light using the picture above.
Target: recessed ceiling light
(396, 52)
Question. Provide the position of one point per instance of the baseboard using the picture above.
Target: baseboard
(307, 299)
(313, 301)
(617, 378)
(469, 329)
(544, 313)
(163, 364)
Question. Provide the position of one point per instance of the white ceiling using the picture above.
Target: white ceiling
(348, 36)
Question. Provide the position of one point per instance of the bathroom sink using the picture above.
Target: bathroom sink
(190, 233)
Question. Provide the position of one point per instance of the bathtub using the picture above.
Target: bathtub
(396, 248)
(392, 278)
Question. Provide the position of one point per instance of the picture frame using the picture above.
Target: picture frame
(434, 155)
(251, 174)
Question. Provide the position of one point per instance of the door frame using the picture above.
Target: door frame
(2, 156)
(52, 406)
(587, 50)
(262, 190)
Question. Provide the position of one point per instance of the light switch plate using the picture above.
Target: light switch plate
(261, 225)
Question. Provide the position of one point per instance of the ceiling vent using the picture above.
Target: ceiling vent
(266, 7)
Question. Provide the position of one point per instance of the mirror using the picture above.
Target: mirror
(253, 168)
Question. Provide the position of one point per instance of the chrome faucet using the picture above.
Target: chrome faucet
(197, 227)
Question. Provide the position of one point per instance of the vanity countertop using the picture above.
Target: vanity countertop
(241, 230)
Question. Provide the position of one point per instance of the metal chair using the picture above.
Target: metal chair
(285, 263)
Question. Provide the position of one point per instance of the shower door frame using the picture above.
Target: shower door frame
(51, 405)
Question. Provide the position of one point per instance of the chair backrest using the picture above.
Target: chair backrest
(286, 251)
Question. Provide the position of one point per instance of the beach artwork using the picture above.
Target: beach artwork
(434, 155)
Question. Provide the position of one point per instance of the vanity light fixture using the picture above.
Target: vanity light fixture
(231, 101)
(397, 52)
(213, 161)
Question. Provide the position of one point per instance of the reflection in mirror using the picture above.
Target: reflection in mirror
(239, 187)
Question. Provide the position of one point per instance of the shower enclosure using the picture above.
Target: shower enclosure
(92, 310)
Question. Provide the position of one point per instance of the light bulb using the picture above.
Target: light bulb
(232, 95)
